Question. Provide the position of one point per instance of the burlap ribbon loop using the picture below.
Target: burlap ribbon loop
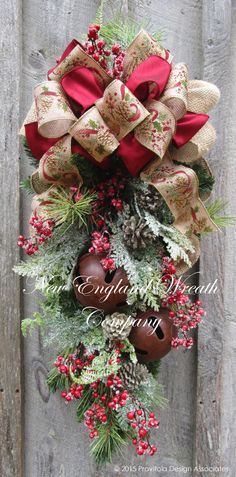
(78, 57)
(157, 130)
(54, 115)
(142, 47)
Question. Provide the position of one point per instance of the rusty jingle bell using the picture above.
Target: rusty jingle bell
(152, 337)
(95, 287)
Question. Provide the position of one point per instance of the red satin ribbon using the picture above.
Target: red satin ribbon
(188, 126)
(81, 85)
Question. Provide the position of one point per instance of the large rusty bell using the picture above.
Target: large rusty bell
(95, 287)
(151, 335)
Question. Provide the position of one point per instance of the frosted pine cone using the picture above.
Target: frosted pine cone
(151, 200)
(136, 232)
(133, 374)
(116, 326)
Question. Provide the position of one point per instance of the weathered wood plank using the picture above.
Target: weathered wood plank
(10, 352)
(216, 406)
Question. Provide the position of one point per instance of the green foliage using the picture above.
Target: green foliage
(102, 366)
(57, 381)
(221, 221)
(177, 244)
(154, 368)
(136, 185)
(28, 325)
(206, 180)
(62, 208)
(121, 29)
(26, 185)
(111, 440)
(150, 394)
(52, 265)
(84, 403)
(129, 348)
(33, 161)
(90, 172)
(144, 276)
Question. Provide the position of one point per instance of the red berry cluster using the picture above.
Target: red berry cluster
(108, 196)
(142, 425)
(107, 199)
(96, 47)
(112, 397)
(43, 230)
(100, 243)
(185, 314)
(76, 193)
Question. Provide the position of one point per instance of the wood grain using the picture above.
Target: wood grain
(216, 405)
(10, 350)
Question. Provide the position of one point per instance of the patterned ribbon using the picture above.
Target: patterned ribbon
(112, 110)
(154, 109)
(178, 185)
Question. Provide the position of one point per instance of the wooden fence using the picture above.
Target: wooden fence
(39, 436)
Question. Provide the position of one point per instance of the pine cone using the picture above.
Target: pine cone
(116, 326)
(136, 232)
(133, 374)
(150, 199)
(153, 201)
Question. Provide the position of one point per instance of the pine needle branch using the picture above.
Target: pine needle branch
(26, 185)
(123, 30)
(33, 161)
(215, 208)
(62, 207)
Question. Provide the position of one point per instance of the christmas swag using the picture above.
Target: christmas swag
(117, 135)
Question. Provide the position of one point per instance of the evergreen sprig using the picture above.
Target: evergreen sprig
(123, 30)
(62, 207)
(111, 440)
(33, 161)
(221, 221)
(205, 179)
(90, 172)
(26, 185)
(28, 325)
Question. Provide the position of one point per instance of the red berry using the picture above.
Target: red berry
(91, 49)
(101, 44)
(115, 49)
(140, 451)
(92, 33)
(142, 432)
(63, 369)
(96, 56)
(139, 412)
(130, 415)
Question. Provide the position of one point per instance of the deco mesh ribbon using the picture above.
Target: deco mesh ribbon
(152, 118)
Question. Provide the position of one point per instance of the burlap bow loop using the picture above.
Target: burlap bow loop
(54, 115)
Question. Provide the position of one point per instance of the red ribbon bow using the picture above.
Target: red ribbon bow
(82, 87)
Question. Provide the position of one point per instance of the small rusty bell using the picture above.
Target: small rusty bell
(98, 288)
(152, 334)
